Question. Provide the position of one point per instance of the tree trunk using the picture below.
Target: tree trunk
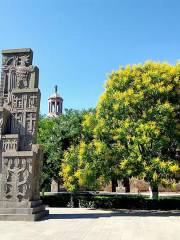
(126, 184)
(42, 192)
(114, 184)
(72, 200)
(154, 193)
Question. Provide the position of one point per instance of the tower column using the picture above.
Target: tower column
(55, 107)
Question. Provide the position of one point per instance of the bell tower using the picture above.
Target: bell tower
(55, 104)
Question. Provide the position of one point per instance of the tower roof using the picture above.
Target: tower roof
(55, 94)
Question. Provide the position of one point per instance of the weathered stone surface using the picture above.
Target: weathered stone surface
(20, 157)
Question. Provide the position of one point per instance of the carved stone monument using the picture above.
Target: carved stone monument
(20, 156)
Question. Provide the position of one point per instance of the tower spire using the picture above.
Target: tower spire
(55, 104)
(56, 88)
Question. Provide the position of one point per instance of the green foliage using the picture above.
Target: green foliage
(57, 135)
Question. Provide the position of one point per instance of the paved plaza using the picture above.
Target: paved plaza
(86, 224)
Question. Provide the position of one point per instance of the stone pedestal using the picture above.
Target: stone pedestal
(120, 188)
(20, 157)
(54, 186)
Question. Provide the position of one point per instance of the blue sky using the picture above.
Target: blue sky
(76, 43)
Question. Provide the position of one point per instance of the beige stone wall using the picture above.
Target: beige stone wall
(137, 185)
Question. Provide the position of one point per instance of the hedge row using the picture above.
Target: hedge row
(111, 202)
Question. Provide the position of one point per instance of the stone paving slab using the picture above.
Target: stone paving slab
(86, 224)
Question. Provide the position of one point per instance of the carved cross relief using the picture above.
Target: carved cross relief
(17, 174)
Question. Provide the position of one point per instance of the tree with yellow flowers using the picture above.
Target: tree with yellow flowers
(134, 131)
(82, 164)
(137, 117)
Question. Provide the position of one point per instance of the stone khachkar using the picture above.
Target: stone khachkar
(20, 157)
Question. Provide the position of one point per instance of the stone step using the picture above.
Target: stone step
(35, 203)
(22, 210)
(23, 204)
(24, 217)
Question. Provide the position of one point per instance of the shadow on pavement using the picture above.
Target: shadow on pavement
(120, 213)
